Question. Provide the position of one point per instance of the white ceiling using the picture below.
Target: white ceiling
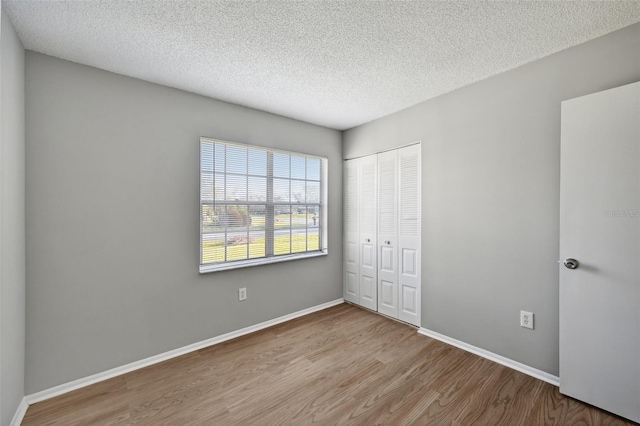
(333, 63)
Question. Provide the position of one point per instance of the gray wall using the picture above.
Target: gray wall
(491, 187)
(112, 222)
(12, 223)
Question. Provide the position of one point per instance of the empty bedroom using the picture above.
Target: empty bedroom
(319, 212)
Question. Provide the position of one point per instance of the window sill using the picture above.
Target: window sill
(204, 269)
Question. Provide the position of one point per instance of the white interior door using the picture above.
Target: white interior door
(388, 233)
(351, 234)
(599, 227)
(367, 208)
(409, 195)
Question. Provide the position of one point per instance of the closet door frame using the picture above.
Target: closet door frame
(382, 264)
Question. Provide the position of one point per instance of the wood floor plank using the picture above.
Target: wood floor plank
(506, 400)
(340, 366)
(326, 394)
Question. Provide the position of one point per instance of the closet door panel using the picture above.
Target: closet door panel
(388, 295)
(387, 260)
(388, 233)
(409, 301)
(351, 234)
(409, 262)
(351, 287)
(409, 233)
(367, 219)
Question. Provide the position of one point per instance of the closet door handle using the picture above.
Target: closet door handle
(367, 240)
(387, 242)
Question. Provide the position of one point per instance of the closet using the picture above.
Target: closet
(382, 233)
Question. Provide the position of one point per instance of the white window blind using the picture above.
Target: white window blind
(259, 205)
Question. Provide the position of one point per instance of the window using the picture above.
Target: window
(259, 205)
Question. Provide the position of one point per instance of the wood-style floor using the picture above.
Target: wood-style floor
(343, 365)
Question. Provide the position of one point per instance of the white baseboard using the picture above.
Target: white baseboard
(20, 412)
(99, 377)
(533, 372)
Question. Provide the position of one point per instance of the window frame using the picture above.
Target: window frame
(270, 206)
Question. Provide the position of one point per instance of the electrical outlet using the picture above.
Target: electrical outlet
(526, 319)
(242, 294)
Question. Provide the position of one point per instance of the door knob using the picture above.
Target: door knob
(367, 240)
(571, 263)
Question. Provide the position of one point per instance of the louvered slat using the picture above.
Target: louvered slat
(387, 205)
(409, 196)
(351, 196)
(368, 198)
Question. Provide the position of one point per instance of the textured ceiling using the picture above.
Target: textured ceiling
(333, 63)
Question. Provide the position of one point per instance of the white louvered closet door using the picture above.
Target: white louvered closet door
(382, 233)
(409, 236)
(388, 233)
(367, 209)
(351, 234)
